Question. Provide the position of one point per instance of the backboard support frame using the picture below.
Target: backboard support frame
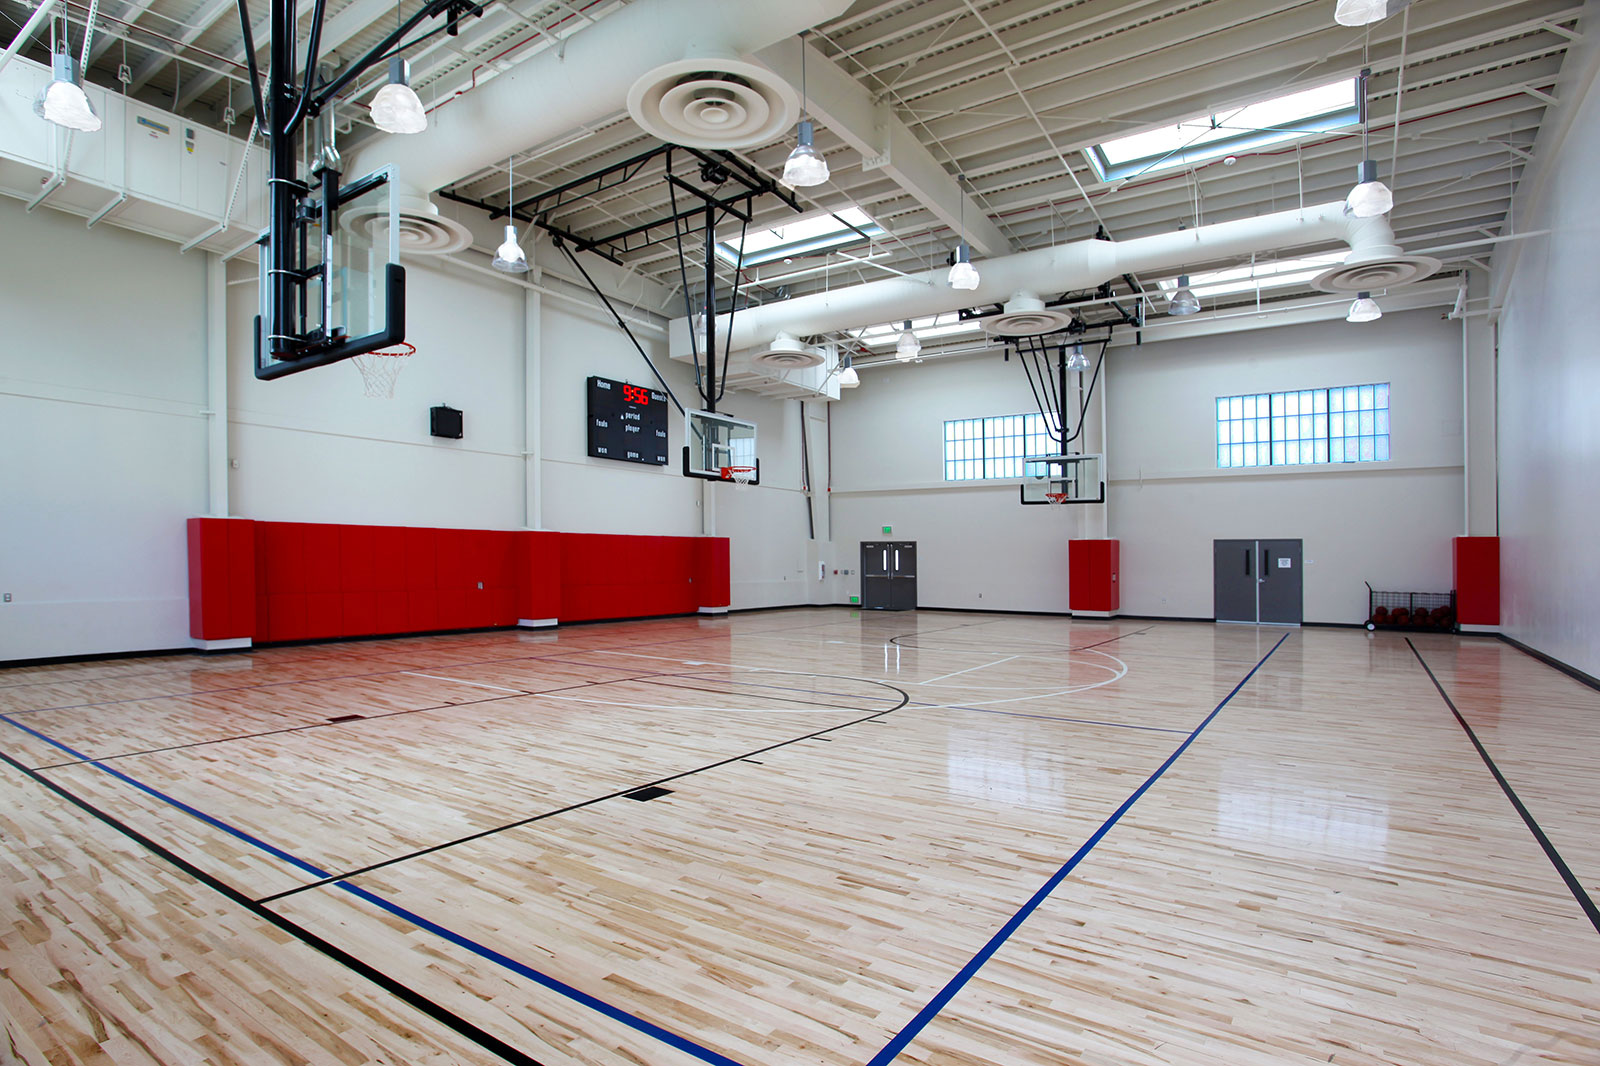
(1062, 480)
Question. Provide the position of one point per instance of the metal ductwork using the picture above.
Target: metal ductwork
(785, 353)
(1081, 265)
(679, 58)
(1025, 315)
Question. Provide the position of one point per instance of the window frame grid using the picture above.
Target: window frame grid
(1305, 427)
(992, 447)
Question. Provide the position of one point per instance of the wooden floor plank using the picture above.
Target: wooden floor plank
(1328, 873)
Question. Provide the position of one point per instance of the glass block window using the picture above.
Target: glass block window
(1348, 424)
(978, 448)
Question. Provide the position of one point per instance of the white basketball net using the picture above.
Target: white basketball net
(742, 475)
(380, 369)
(1055, 499)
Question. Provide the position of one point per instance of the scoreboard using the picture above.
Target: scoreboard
(627, 422)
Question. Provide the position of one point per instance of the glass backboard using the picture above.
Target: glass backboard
(1057, 479)
(715, 444)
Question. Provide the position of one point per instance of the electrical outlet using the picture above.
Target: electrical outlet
(8, 597)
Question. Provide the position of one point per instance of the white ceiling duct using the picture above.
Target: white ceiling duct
(713, 102)
(423, 231)
(681, 55)
(785, 353)
(1025, 315)
(1076, 266)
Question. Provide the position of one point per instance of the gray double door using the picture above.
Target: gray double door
(889, 575)
(1257, 581)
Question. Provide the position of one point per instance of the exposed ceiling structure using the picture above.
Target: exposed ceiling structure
(939, 117)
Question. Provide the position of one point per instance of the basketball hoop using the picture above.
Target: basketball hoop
(741, 475)
(1055, 498)
(380, 368)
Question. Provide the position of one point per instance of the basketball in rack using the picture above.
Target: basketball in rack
(379, 369)
(741, 475)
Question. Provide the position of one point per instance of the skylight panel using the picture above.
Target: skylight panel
(948, 324)
(1211, 136)
(803, 236)
(1267, 274)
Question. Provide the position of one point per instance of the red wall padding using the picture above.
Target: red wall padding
(1094, 575)
(222, 588)
(1476, 561)
(274, 581)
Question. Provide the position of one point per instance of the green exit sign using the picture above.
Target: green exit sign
(888, 529)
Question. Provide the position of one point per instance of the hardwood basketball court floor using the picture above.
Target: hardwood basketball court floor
(806, 836)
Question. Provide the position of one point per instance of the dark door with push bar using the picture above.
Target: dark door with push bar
(889, 575)
(1257, 581)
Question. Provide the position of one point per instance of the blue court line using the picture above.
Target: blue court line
(649, 1029)
(904, 1037)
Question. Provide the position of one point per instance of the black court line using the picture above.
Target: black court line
(450, 1020)
(904, 700)
(347, 720)
(1058, 647)
(761, 696)
(1573, 884)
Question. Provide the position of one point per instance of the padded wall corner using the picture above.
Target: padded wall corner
(222, 578)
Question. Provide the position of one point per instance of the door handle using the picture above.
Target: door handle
(886, 560)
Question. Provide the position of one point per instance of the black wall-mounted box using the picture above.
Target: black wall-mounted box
(445, 422)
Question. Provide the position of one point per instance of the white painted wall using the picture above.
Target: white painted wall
(1549, 382)
(102, 386)
(978, 547)
(1387, 523)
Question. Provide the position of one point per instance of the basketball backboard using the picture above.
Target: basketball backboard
(352, 297)
(1059, 479)
(715, 444)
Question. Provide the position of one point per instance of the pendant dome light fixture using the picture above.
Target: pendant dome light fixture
(1183, 301)
(907, 347)
(1077, 360)
(963, 275)
(396, 108)
(509, 258)
(805, 168)
(848, 378)
(1370, 197)
(62, 100)
(1364, 309)
(1360, 12)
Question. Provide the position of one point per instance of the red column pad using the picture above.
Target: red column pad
(711, 571)
(222, 582)
(1094, 575)
(538, 559)
(1476, 562)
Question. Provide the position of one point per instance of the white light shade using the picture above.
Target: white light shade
(1077, 360)
(907, 347)
(963, 275)
(63, 101)
(1370, 197)
(396, 107)
(1364, 309)
(805, 167)
(1183, 301)
(509, 257)
(1360, 12)
(849, 379)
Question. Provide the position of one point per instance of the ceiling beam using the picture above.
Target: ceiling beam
(872, 128)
